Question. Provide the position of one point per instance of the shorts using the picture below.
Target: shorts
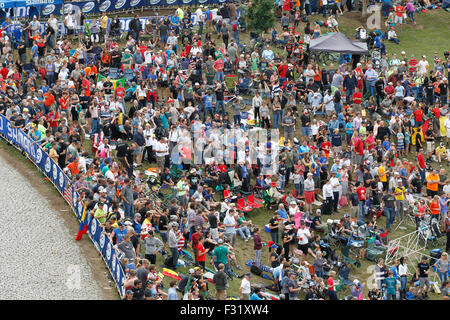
(214, 233)
(182, 200)
(303, 248)
(163, 236)
(139, 150)
(424, 282)
(430, 146)
(358, 158)
(309, 196)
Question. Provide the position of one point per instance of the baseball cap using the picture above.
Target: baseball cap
(129, 292)
(248, 274)
(219, 241)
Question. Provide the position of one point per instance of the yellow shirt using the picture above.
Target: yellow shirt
(441, 150)
(382, 173)
(400, 190)
(104, 22)
(180, 13)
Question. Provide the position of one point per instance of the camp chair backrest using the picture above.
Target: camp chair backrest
(240, 202)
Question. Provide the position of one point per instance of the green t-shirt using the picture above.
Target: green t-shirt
(390, 285)
(105, 169)
(240, 219)
(221, 253)
(99, 212)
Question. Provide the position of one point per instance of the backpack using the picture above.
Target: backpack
(234, 26)
(255, 270)
(169, 262)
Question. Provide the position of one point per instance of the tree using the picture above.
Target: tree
(261, 16)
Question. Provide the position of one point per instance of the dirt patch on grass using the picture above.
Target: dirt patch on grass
(37, 180)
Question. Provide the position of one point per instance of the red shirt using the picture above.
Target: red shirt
(357, 97)
(325, 146)
(194, 239)
(4, 72)
(418, 115)
(421, 160)
(201, 249)
(359, 147)
(52, 118)
(282, 70)
(437, 112)
(63, 103)
(120, 92)
(370, 141)
(361, 191)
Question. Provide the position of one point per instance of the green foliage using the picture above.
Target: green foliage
(261, 15)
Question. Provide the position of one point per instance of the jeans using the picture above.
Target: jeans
(220, 107)
(276, 119)
(361, 210)
(306, 131)
(235, 35)
(349, 94)
(411, 16)
(403, 283)
(174, 252)
(389, 213)
(324, 10)
(443, 276)
(401, 208)
(275, 236)
(258, 257)
(208, 111)
(129, 210)
(282, 182)
(219, 76)
(95, 126)
(243, 232)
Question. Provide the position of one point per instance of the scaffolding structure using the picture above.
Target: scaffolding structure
(411, 246)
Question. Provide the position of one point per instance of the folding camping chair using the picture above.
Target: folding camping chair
(374, 252)
(254, 202)
(345, 255)
(242, 206)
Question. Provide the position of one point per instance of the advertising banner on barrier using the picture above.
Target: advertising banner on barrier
(47, 7)
(19, 137)
(62, 183)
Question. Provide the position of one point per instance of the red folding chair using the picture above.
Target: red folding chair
(254, 204)
(242, 206)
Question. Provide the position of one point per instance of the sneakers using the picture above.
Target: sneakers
(238, 267)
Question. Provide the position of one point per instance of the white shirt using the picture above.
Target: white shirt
(402, 270)
(303, 234)
(327, 191)
(245, 285)
(69, 21)
(328, 106)
(334, 181)
(423, 66)
(148, 57)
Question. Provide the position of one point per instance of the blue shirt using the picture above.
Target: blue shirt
(120, 234)
(386, 145)
(282, 213)
(172, 294)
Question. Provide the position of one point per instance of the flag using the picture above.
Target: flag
(83, 225)
(67, 194)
